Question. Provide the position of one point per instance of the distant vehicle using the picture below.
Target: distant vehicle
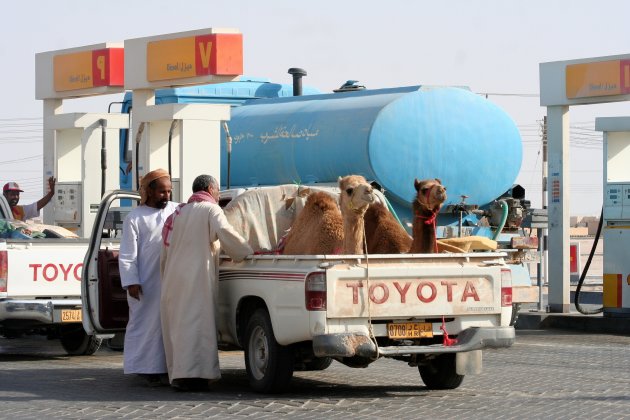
(40, 287)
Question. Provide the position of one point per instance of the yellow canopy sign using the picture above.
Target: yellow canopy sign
(600, 78)
(180, 58)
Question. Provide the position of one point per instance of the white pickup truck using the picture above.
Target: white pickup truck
(435, 312)
(40, 286)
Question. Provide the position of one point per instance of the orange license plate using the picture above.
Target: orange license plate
(71, 315)
(410, 330)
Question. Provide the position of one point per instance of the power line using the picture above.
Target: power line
(26, 159)
(522, 95)
(20, 119)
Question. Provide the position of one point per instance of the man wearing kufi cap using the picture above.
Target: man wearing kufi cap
(11, 192)
(139, 264)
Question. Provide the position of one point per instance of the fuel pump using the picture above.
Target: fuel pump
(84, 143)
(616, 215)
(80, 149)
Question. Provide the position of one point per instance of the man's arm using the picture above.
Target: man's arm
(231, 241)
(46, 199)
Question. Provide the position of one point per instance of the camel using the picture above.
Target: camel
(322, 227)
(431, 194)
(383, 232)
(355, 197)
(317, 229)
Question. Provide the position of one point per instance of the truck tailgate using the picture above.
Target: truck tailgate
(45, 269)
(389, 289)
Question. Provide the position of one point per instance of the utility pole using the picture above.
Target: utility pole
(544, 163)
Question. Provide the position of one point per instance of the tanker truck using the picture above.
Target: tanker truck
(391, 137)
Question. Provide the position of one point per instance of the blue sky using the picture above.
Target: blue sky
(491, 46)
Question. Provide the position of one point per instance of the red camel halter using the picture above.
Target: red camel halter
(431, 220)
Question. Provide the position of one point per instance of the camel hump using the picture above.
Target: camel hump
(375, 213)
(376, 209)
(383, 233)
(321, 200)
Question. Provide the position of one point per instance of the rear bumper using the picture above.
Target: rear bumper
(349, 345)
(34, 311)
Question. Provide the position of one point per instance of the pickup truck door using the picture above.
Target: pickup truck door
(104, 302)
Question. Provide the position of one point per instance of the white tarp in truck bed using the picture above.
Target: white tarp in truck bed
(263, 215)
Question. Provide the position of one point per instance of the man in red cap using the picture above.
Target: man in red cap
(11, 192)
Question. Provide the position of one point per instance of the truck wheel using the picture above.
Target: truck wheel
(76, 342)
(356, 361)
(440, 373)
(318, 363)
(269, 365)
(12, 334)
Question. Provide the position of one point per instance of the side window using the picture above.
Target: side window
(114, 219)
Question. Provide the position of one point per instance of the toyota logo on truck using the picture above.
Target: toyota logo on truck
(51, 272)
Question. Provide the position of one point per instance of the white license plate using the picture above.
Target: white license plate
(410, 330)
(71, 315)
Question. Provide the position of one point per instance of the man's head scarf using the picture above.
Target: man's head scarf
(198, 197)
(148, 179)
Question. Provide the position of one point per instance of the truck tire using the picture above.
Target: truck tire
(318, 363)
(440, 373)
(12, 334)
(76, 342)
(269, 365)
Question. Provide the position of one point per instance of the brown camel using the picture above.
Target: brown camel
(323, 228)
(431, 194)
(317, 229)
(383, 232)
(355, 197)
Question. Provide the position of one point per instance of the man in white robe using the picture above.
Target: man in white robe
(139, 264)
(190, 261)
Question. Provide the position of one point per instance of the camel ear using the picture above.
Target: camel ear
(304, 192)
(416, 184)
(339, 179)
(438, 180)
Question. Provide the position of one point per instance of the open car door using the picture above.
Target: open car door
(104, 301)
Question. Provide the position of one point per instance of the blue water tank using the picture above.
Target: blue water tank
(233, 93)
(390, 136)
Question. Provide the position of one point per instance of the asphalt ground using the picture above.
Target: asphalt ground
(546, 374)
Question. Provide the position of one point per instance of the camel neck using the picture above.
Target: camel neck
(424, 234)
(353, 232)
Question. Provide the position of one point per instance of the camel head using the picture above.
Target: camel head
(431, 194)
(356, 193)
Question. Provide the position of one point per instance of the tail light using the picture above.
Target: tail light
(315, 292)
(4, 269)
(506, 287)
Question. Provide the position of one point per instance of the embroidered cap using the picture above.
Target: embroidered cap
(11, 186)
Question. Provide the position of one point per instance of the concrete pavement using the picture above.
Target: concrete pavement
(546, 374)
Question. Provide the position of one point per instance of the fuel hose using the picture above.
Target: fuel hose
(586, 267)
